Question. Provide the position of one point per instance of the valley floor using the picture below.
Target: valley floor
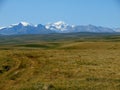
(63, 66)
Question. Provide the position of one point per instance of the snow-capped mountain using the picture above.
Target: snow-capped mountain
(65, 28)
(92, 28)
(25, 24)
(117, 29)
(24, 28)
(57, 27)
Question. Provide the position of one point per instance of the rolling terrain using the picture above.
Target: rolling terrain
(76, 61)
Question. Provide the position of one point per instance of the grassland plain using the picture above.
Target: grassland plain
(80, 63)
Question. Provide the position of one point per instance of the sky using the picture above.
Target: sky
(79, 12)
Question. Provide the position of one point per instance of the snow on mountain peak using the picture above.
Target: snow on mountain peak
(60, 25)
(21, 23)
(2, 28)
(117, 29)
(24, 23)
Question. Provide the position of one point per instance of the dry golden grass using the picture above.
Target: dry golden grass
(71, 66)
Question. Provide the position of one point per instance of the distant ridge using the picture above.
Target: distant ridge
(57, 27)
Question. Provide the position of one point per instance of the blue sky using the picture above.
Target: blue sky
(80, 12)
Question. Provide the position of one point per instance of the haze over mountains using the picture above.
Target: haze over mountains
(57, 27)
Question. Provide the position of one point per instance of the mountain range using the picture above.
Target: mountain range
(57, 27)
